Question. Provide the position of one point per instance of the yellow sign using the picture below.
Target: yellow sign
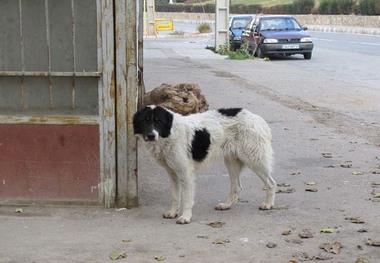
(164, 25)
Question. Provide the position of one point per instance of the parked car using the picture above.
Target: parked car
(269, 35)
(236, 25)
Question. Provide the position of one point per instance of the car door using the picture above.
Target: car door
(249, 33)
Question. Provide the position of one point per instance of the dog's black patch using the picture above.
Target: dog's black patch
(231, 112)
(147, 119)
(200, 144)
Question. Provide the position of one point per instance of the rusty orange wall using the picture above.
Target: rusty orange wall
(49, 163)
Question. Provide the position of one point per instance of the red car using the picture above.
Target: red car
(269, 35)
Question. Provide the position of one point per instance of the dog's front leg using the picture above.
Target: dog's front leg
(187, 196)
(175, 188)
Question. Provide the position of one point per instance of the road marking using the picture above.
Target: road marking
(323, 39)
(364, 43)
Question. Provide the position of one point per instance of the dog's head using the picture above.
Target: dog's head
(153, 122)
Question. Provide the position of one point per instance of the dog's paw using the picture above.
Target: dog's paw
(170, 215)
(183, 220)
(222, 206)
(265, 206)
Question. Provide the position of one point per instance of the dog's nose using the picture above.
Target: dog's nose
(151, 136)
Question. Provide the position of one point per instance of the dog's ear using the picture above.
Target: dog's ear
(138, 120)
(165, 132)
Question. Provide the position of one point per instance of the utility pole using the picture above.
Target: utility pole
(222, 8)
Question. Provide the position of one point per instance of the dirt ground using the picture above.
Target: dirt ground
(328, 180)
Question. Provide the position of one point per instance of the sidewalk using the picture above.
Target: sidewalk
(306, 151)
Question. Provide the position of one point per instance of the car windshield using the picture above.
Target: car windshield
(240, 22)
(279, 23)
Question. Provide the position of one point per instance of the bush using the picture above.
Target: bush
(369, 7)
(204, 28)
(303, 6)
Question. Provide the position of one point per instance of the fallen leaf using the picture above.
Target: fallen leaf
(127, 240)
(327, 230)
(331, 247)
(355, 220)
(349, 165)
(216, 224)
(323, 256)
(311, 183)
(160, 258)
(294, 241)
(203, 237)
(19, 210)
(362, 230)
(286, 232)
(373, 243)
(283, 185)
(302, 256)
(271, 245)
(357, 173)
(280, 207)
(361, 260)
(295, 173)
(221, 241)
(327, 155)
(292, 261)
(117, 255)
(305, 233)
(286, 190)
(313, 189)
(376, 195)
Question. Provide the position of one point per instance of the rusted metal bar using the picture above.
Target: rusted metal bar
(47, 74)
(22, 89)
(48, 52)
(74, 63)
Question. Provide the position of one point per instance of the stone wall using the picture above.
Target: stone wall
(316, 20)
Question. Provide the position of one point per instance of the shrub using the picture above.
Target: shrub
(303, 6)
(204, 28)
(368, 7)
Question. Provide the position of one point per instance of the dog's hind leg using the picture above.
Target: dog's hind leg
(175, 189)
(234, 166)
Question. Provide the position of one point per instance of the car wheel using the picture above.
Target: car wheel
(259, 53)
(307, 55)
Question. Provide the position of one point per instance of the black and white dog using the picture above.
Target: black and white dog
(183, 144)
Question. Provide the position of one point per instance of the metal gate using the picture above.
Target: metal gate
(68, 89)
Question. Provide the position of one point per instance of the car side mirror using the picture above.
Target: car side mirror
(304, 28)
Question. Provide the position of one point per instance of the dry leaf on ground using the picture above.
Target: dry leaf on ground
(221, 241)
(286, 190)
(374, 243)
(294, 241)
(355, 220)
(271, 245)
(331, 247)
(305, 233)
(286, 232)
(311, 189)
(160, 258)
(323, 256)
(361, 260)
(216, 224)
(327, 230)
(114, 255)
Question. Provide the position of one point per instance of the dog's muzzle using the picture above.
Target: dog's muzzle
(151, 136)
